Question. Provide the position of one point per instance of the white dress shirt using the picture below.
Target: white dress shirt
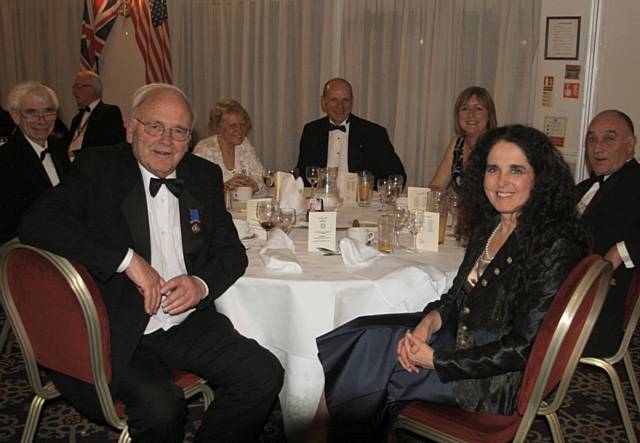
(47, 162)
(338, 148)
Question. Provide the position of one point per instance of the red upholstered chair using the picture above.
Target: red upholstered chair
(552, 362)
(60, 323)
(631, 315)
(4, 334)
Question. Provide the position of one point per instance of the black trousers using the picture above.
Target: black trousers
(246, 379)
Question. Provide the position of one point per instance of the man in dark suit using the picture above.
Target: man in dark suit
(149, 222)
(610, 205)
(97, 123)
(344, 140)
(31, 161)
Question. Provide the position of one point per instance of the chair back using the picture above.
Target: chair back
(632, 307)
(56, 312)
(563, 334)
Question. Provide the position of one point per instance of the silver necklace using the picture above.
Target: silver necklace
(486, 246)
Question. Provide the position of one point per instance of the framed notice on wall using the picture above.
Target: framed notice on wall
(562, 38)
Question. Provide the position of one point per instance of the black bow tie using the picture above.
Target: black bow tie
(173, 184)
(83, 110)
(333, 127)
(44, 153)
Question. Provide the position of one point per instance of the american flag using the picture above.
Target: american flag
(152, 34)
(98, 18)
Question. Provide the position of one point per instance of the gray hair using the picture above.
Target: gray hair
(94, 79)
(30, 87)
(147, 91)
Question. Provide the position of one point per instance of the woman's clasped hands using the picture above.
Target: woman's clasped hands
(413, 351)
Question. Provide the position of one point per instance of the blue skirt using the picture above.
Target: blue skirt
(365, 385)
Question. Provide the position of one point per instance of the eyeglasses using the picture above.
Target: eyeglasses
(156, 129)
(33, 116)
(608, 140)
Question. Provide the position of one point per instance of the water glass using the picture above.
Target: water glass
(401, 215)
(386, 233)
(286, 219)
(365, 188)
(437, 202)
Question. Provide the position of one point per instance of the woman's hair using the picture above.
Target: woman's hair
(549, 212)
(227, 106)
(485, 100)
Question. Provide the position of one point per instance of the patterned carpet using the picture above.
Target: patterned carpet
(588, 414)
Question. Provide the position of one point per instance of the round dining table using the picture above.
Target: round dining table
(285, 312)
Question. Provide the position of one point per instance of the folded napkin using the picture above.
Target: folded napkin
(356, 254)
(278, 254)
(291, 192)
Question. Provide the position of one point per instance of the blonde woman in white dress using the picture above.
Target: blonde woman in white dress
(228, 146)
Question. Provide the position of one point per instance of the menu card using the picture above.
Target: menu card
(322, 231)
(252, 218)
(417, 198)
(348, 187)
(428, 235)
(280, 176)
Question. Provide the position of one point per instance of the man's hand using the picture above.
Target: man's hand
(613, 256)
(148, 282)
(181, 293)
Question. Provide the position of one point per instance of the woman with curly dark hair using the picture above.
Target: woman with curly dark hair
(470, 347)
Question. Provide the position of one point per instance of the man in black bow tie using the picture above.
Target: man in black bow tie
(610, 205)
(31, 161)
(97, 123)
(159, 275)
(344, 140)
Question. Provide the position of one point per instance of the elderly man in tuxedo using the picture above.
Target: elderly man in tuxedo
(344, 140)
(31, 161)
(610, 206)
(97, 123)
(148, 220)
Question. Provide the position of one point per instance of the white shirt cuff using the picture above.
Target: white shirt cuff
(126, 261)
(624, 255)
(206, 288)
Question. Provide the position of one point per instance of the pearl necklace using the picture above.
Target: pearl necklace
(486, 246)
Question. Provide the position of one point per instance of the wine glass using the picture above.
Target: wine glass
(414, 224)
(311, 172)
(286, 219)
(380, 183)
(267, 212)
(268, 178)
(398, 181)
(401, 215)
(389, 193)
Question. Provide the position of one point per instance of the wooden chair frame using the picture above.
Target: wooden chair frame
(43, 392)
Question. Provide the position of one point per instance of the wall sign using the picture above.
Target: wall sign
(562, 38)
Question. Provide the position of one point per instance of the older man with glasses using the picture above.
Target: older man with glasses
(31, 161)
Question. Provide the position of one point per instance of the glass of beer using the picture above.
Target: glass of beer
(437, 202)
(365, 188)
(386, 233)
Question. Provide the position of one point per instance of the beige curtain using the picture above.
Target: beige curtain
(407, 61)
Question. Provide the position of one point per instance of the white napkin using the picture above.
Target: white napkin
(291, 192)
(278, 254)
(356, 254)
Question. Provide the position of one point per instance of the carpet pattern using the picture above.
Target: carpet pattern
(588, 414)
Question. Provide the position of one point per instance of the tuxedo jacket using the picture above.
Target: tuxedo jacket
(369, 148)
(496, 322)
(613, 215)
(100, 211)
(23, 178)
(104, 127)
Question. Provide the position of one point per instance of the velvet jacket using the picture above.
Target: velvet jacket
(100, 210)
(496, 323)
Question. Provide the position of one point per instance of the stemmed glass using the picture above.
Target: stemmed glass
(389, 193)
(398, 181)
(381, 183)
(311, 172)
(414, 224)
(268, 176)
(267, 212)
(286, 219)
(401, 214)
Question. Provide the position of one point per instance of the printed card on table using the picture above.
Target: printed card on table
(348, 187)
(417, 198)
(252, 218)
(428, 235)
(322, 230)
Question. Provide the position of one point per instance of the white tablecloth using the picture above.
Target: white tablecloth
(285, 313)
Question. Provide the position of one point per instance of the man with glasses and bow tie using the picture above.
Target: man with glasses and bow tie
(610, 205)
(345, 140)
(31, 161)
(97, 123)
(149, 222)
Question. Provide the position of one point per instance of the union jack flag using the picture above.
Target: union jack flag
(98, 18)
(150, 21)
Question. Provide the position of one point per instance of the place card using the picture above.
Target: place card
(348, 187)
(417, 198)
(279, 179)
(428, 235)
(252, 218)
(322, 231)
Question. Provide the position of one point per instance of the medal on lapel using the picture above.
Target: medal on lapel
(194, 219)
